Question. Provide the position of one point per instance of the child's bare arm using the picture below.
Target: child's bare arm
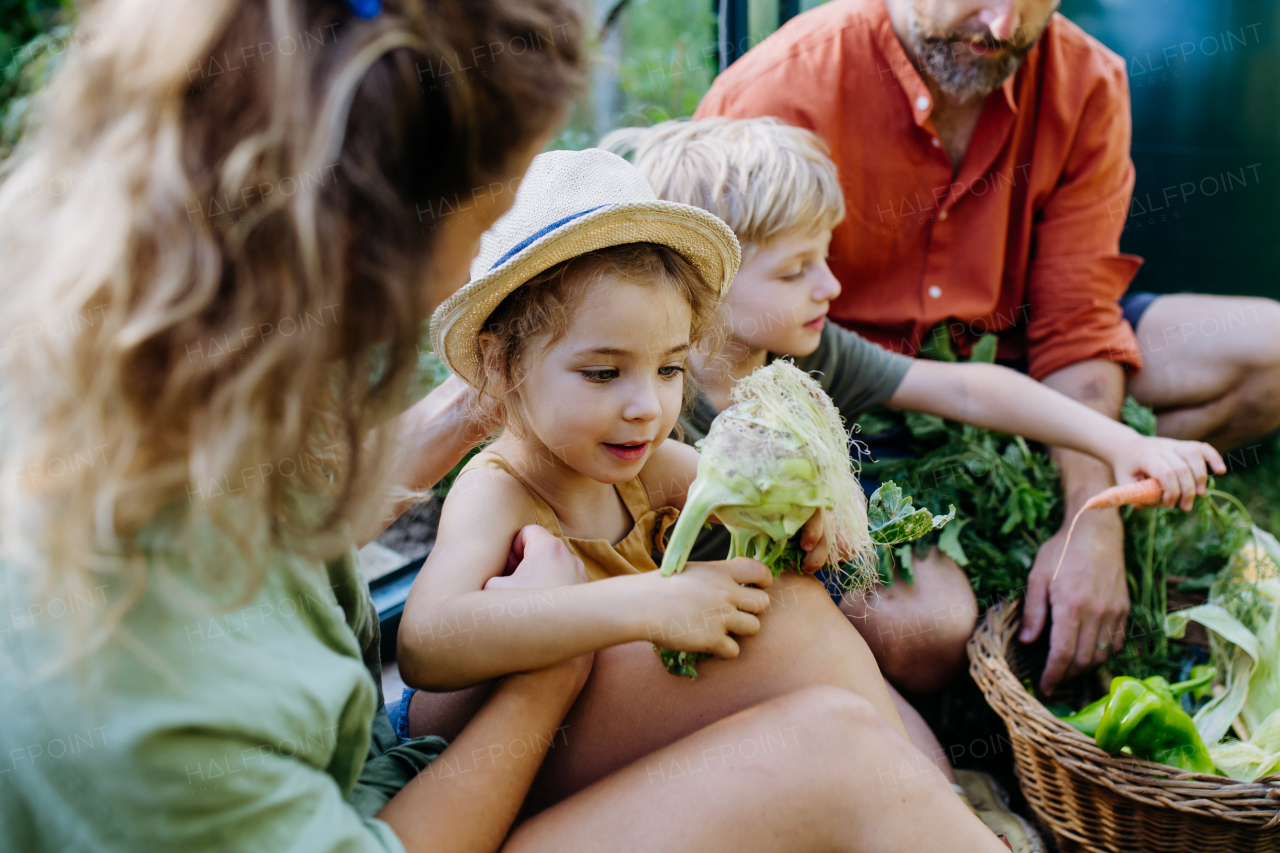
(455, 633)
(998, 398)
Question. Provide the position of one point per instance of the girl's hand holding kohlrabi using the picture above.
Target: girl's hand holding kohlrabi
(696, 614)
(697, 609)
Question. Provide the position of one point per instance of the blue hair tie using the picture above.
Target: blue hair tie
(365, 8)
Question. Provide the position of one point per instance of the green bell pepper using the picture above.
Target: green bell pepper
(1146, 717)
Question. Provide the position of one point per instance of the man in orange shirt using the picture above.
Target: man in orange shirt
(983, 148)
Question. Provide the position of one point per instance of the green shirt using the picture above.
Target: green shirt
(854, 372)
(200, 726)
(197, 727)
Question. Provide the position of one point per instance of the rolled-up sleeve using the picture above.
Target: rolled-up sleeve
(1078, 273)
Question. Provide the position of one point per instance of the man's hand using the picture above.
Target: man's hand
(1089, 599)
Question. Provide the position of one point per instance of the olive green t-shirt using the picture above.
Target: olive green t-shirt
(199, 724)
(854, 372)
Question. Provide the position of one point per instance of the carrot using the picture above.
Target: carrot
(1143, 493)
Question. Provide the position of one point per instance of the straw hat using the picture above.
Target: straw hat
(571, 203)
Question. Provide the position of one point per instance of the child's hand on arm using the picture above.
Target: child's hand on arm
(1181, 466)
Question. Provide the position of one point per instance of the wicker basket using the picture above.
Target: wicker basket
(1086, 800)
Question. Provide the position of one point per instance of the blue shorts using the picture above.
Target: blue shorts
(1134, 305)
(398, 713)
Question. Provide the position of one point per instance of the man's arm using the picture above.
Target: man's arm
(1089, 598)
(1077, 340)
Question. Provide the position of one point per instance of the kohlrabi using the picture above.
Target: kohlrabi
(772, 459)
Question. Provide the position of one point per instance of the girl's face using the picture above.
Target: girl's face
(779, 299)
(603, 397)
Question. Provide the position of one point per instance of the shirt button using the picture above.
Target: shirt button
(922, 103)
(943, 216)
(936, 143)
(935, 291)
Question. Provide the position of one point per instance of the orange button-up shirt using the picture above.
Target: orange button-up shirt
(1025, 240)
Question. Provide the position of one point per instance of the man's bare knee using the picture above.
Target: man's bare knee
(933, 655)
(1267, 337)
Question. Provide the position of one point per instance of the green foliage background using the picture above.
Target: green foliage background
(34, 35)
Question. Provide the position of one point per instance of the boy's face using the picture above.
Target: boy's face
(779, 300)
(603, 397)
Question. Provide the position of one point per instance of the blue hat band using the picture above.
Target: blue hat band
(365, 8)
(539, 234)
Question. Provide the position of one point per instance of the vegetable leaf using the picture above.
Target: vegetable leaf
(1138, 417)
(682, 663)
(894, 520)
(949, 542)
(937, 344)
(985, 349)
(906, 562)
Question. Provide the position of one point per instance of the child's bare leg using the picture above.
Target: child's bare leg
(918, 633)
(921, 735)
(815, 770)
(631, 706)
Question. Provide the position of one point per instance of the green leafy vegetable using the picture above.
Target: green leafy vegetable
(772, 459)
(1008, 503)
(1139, 418)
(1243, 616)
(893, 519)
(1246, 761)
(1006, 496)
(779, 453)
(949, 543)
(985, 349)
(937, 344)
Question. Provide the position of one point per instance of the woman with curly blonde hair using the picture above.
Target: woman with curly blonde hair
(221, 236)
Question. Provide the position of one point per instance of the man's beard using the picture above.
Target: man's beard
(948, 58)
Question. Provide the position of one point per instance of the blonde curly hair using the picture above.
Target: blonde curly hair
(215, 255)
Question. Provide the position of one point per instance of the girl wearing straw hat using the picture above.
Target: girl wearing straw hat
(585, 302)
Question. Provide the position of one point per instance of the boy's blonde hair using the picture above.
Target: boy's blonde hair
(764, 178)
